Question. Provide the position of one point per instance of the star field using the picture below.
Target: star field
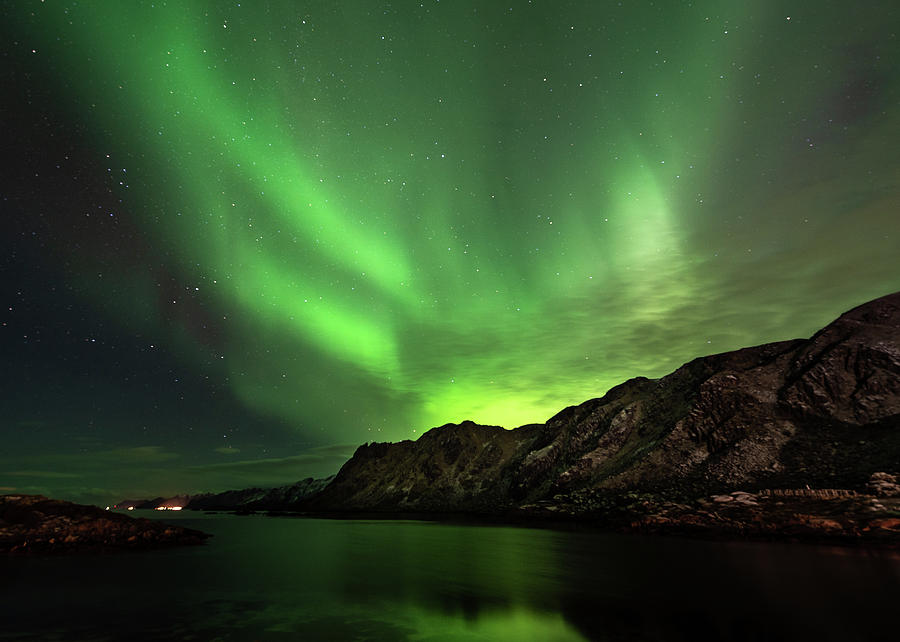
(245, 237)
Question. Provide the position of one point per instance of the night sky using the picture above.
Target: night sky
(241, 238)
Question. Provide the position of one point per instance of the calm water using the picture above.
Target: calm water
(265, 578)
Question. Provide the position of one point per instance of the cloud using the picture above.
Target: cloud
(271, 472)
(227, 450)
(138, 454)
(90, 461)
(108, 476)
(45, 474)
(323, 454)
(24, 424)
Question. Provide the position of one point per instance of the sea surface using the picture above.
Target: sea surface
(280, 578)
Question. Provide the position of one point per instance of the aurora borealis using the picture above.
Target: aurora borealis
(244, 237)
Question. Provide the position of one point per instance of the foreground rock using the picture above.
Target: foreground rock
(35, 524)
(828, 515)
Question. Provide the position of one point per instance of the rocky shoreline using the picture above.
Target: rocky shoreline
(829, 516)
(832, 516)
(837, 520)
(33, 524)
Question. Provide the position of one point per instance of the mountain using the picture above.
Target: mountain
(178, 502)
(280, 498)
(247, 499)
(787, 439)
(822, 412)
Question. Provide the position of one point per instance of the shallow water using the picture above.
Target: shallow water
(262, 578)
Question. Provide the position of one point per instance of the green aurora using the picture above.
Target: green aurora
(385, 217)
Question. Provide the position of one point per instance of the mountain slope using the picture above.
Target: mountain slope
(824, 411)
(278, 498)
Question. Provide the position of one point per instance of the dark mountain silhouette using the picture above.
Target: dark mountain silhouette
(798, 438)
(247, 499)
(822, 412)
(277, 498)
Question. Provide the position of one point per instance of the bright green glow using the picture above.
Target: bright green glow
(473, 212)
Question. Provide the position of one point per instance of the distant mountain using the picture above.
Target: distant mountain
(179, 501)
(821, 412)
(280, 498)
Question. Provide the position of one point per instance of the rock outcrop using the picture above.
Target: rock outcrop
(456, 467)
(822, 412)
(36, 524)
(830, 515)
(884, 485)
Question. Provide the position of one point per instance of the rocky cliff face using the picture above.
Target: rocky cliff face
(456, 467)
(818, 412)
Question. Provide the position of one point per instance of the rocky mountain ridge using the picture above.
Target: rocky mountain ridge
(247, 499)
(821, 412)
(253, 499)
(794, 438)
